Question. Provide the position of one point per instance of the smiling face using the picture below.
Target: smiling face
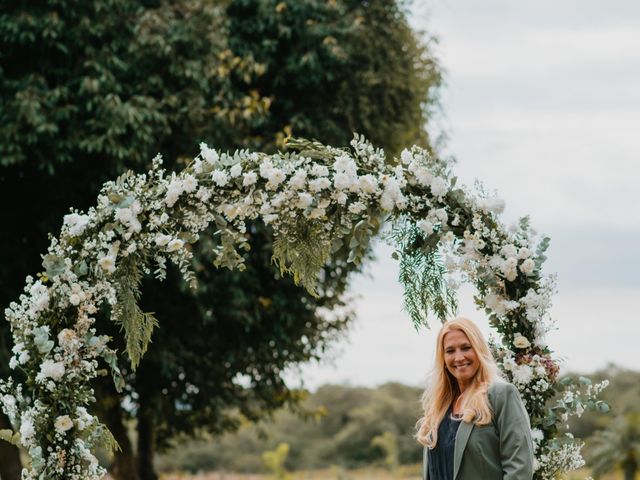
(460, 358)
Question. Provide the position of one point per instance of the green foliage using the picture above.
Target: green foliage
(617, 446)
(388, 443)
(339, 433)
(138, 326)
(337, 67)
(274, 462)
(302, 251)
(422, 274)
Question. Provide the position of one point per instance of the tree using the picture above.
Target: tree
(86, 94)
(617, 446)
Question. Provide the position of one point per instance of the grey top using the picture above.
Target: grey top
(441, 456)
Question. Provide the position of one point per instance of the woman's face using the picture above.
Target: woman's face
(459, 357)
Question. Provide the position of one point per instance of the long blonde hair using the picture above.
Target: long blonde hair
(443, 388)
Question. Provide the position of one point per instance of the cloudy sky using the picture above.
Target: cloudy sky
(541, 103)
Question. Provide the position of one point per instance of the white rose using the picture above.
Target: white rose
(74, 299)
(439, 187)
(249, 179)
(304, 200)
(509, 251)
(220, 177)
(236, 170)
(523, 253)
(208, 154)
(50, 369)
(63, 423)
(107, 263)
(441, 214)
(406, 157)
(528, 266)
(66, 338)
(520, 341)
(76, 223)
(174, 245)
(426, 226)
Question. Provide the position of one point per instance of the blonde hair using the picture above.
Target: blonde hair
(443, 387)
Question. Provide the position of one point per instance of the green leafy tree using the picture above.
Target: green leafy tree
(617, 446)
(88, 89)
(388, 444)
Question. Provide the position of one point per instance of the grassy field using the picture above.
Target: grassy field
(410, 472)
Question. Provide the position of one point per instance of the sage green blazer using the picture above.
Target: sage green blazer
(501, 450)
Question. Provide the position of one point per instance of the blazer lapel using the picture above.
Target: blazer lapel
(462, 437)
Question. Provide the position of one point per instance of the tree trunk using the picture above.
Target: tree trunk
(10, 464)
(123, 466)
(630, 467)
(146, 440)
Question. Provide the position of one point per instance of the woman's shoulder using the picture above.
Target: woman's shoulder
(500, 390)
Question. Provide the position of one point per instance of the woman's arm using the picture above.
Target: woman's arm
(516, 446)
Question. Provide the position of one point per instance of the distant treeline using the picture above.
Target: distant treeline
(338, 425)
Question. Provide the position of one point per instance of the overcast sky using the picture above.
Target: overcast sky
(541, 103)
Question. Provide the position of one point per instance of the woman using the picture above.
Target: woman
(475, 426)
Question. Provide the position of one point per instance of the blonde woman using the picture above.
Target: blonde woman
(475, 426)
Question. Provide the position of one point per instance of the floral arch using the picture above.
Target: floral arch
(318, 200)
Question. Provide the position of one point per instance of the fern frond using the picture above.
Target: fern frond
(302, 251)
(422, 275)
(138, 326)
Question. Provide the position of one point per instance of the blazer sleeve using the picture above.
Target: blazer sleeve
(516, 446)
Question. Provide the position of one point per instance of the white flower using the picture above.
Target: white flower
(441, 214)
(190, 183)
(568, 397)
(63, 423)
(523, 252)
(368, 184)
(208, 154)
(522, 374)
(107, 263)
(67, 338)
(357, 207)
(83, 419)
(319, 171)
(162, 239)
(510, 305)
(27, 431)
(426, 226)
(527, 266)
(220, 177)
(236, 170)
(341, 197)
(319, 184)
(509, 364)
(343, 181)
(439, 187)
(509, 250)
(275, 177)
(50, 369)
(174, 245)
(406, 156)
(537, 435)
(423, 176)
(520, 341)
(174, 190)
(304, 200)
(76, 223)
(249, 179)
(74, 299)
